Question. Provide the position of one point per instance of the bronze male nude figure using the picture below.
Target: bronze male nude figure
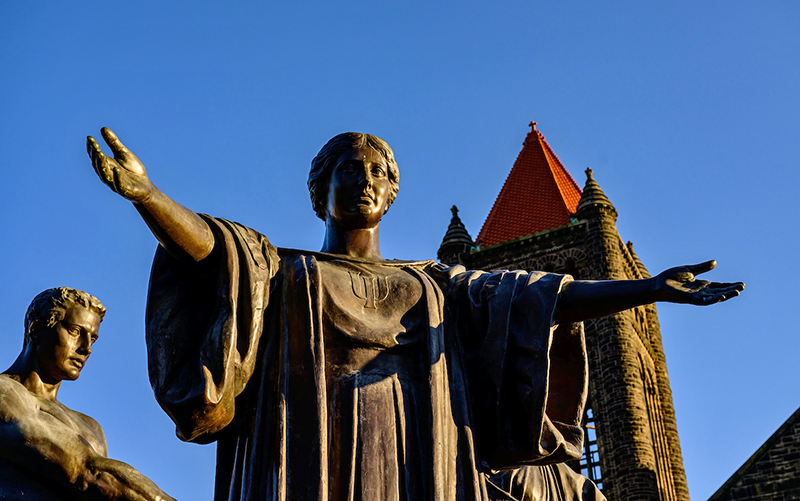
(49, 452)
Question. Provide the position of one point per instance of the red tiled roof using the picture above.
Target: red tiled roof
(538, 194)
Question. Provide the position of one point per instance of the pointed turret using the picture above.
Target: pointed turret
(593, 198)
(642, 270)
(456, 241)
(539, 194)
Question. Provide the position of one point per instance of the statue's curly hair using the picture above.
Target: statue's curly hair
(323, 164)
(50, 306)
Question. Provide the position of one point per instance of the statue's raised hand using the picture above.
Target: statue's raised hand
(679, 285)
(181, 231)
(124, 173)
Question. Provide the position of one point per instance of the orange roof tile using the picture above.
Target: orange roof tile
(539, 194)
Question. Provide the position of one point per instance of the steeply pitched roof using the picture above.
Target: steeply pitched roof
(756, 487)
(538, 194)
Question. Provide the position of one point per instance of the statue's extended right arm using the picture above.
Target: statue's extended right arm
(181, 231)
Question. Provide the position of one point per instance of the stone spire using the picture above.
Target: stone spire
(642, 270)
(456, 241)
(593, 197)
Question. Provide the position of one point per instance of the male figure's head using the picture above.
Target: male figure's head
(60, 327)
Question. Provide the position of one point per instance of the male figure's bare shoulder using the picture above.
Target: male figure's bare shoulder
(18, 407)
(15, 400)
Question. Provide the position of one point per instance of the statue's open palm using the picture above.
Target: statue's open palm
(124, 173)
(679, 285)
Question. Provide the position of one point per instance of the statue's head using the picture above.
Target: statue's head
(352, 151)
(61, 325)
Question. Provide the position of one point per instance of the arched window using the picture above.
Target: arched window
(590, 461)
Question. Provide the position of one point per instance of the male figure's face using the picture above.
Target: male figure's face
(359, 189)
(62, 350)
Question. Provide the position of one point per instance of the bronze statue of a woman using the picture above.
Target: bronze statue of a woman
(338, 375)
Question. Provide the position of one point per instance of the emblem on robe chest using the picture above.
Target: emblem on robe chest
(372, 289)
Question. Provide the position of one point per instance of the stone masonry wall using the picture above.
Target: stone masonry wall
(772, 473)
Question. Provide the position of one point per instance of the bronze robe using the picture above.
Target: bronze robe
(237, 354)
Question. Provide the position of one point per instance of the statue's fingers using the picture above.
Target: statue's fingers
(93, 149)
(113, 142)
(723, 285)
(104, 170)
(119, 186)
(697, 269)
(100, 163)
(116, 182)
(90, 144)
(722, 295)
(707, 299)
(724, 288)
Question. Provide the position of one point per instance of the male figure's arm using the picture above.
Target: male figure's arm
(34, 439)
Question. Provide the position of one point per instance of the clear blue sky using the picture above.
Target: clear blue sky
(687, 112)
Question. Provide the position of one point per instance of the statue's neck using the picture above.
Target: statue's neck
(361, 242)
(27, 372)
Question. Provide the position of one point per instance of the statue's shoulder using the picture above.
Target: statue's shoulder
(264, 254)
(221, 225)
(443, 273)
(10, 388)
(15, 399)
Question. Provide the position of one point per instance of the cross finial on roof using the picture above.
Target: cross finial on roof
(454, 210)
(533, 126)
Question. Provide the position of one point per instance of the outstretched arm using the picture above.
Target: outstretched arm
(181, 231)
(34, 440)
(584, 299)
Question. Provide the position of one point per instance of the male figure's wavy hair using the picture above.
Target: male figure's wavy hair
(49, 307)
(321, 167)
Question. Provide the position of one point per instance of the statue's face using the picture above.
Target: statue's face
(358, 189)
(62, 350)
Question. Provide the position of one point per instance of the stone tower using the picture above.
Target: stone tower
(542, 220)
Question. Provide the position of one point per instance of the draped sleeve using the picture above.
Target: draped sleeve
(203, 325)
(527, 376)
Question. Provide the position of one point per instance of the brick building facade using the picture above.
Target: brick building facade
(542, 220)
(772, 473)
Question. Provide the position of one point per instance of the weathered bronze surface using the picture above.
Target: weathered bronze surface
(340, 375)
(49, 452)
